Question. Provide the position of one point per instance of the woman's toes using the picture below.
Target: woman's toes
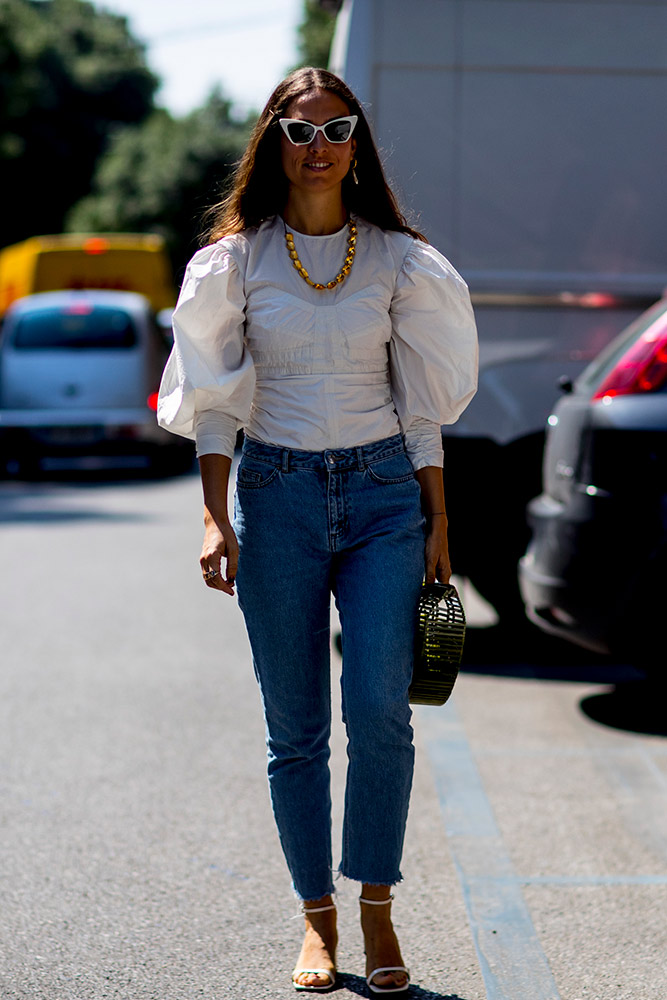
(390, 979)
(313, 979)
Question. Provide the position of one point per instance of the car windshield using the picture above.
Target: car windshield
(75, 327)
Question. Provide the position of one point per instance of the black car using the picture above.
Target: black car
(595, 571)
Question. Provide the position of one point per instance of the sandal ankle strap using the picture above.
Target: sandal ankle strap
(377, 902)
(318, 909)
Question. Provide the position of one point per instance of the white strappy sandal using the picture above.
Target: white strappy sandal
(329, 973)
(383, 969)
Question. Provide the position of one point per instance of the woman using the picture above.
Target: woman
(341, 341)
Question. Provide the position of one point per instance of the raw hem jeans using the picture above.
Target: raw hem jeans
(309, 524)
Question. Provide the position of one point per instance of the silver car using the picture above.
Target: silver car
(79, 375)
(595, 570)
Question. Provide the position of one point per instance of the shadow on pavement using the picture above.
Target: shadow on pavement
(55, 516)
(633, 703)
(90, 478)
(637, 707)
(523, 651)
(46, 500)
(356, 984)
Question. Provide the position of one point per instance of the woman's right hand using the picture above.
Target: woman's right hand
(219, 543)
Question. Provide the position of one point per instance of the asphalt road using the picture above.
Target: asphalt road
(138, 857)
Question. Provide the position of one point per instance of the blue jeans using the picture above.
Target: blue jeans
(310, 524)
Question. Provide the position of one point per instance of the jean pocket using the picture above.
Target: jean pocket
(253, 474)
(394, 469)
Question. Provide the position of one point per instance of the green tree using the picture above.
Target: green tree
(69, 75)
(316, 31)
(160, 176)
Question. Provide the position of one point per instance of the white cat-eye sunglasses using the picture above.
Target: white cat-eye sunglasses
(301, 132)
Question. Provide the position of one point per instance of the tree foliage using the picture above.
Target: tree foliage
(69, 75)
(160, 176)
(315, 33)
(82, 145)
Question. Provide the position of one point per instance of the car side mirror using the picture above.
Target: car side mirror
(164, 318)
(565, 384)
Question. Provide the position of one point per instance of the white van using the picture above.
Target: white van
(79, 376)
(527, 140)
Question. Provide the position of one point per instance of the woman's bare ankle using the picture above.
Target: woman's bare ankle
(316, 904)
(376, 893)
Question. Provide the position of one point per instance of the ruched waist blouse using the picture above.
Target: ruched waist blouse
(393, 349)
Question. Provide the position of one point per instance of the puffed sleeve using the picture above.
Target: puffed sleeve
(209, 380)
(433, 351)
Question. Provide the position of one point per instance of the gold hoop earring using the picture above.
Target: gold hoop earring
(354, 173)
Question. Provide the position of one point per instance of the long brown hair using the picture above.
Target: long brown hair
(259, 188)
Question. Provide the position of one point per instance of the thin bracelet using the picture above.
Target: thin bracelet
(437, 513)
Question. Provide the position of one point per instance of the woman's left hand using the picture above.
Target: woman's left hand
(436, 552)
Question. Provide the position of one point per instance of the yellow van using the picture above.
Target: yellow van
(131, 262)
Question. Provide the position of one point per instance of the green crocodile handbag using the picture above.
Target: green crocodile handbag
(441, 628)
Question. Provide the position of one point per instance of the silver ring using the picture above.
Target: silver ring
(210, 574)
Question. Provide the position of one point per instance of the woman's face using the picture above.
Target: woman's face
(319, 165)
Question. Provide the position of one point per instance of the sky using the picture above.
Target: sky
(246, 46)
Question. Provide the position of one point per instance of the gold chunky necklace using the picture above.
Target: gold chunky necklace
(345, 269)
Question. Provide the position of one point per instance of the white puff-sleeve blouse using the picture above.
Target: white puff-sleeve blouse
(393, 349)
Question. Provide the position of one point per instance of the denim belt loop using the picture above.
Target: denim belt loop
(285, 459)
(360, 459)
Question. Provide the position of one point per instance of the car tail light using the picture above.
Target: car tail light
(152, 401)
(79, 309)
(95, 245)
(643, 367)
(597, 300)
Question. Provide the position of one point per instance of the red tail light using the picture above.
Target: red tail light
(79, 309)
(643, 367)
(95, 245)
(151, 402)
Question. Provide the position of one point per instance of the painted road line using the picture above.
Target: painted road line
(585, 880)
(511, 959)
